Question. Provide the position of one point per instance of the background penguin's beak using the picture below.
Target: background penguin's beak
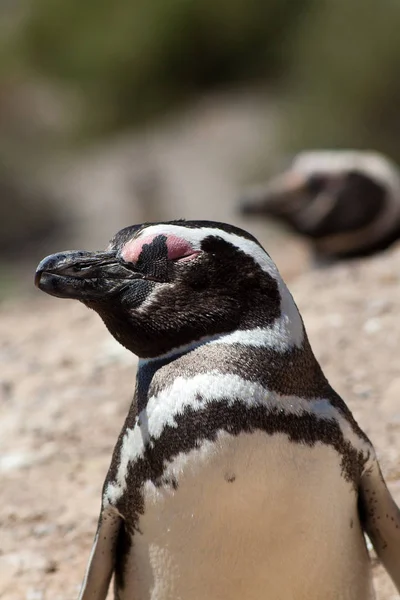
(283, 194)
(83, 275)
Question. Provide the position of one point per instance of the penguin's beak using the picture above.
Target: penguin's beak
(280, 196)
(83, 275)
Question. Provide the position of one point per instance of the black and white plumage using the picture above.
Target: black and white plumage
(346, 203)
(239, 472)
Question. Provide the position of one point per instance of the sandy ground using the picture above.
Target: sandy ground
(65, 387)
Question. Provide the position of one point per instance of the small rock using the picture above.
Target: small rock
(378, 306)
(335, 320)
(34, 595)
(43, 529)
(14, 460)
(6, 389)
(362, 389)
(51, 567)
(372, 325)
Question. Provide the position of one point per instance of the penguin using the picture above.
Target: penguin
(346, 203)
(239, 472)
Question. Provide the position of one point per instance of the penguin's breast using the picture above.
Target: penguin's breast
(249, 516)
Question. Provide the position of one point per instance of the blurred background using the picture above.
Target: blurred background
(114, 112)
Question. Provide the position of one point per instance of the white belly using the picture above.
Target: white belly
(254, 517)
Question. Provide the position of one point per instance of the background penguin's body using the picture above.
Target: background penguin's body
(239, 472)
(346, 203)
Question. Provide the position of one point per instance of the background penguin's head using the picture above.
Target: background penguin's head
(346, 202)
(162, 286)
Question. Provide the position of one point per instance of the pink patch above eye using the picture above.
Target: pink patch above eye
(132, 249)
(178, 248)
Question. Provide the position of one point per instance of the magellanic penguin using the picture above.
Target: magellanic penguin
(346, 203)
(239, 473)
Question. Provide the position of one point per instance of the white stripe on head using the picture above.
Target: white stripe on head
(198, 391)
(374, 165)
(195, 236)
(287, 331)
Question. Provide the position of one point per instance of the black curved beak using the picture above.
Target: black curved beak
(83, 275)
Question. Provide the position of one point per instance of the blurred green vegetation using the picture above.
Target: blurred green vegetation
(332, 64)
(344, 82)
(131, 59)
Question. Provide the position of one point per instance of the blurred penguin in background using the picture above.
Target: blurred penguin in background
(347, 203)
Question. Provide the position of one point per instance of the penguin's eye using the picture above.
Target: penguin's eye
(316, 183)
(180, 249)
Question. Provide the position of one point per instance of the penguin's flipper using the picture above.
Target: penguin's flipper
(102, 557)
(380, 517)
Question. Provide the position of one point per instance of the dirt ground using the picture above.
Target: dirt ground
(65, 387)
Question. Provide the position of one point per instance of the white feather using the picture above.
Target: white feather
(196, 393)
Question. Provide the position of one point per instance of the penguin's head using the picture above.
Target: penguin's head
(162, 286)
(339, 199)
